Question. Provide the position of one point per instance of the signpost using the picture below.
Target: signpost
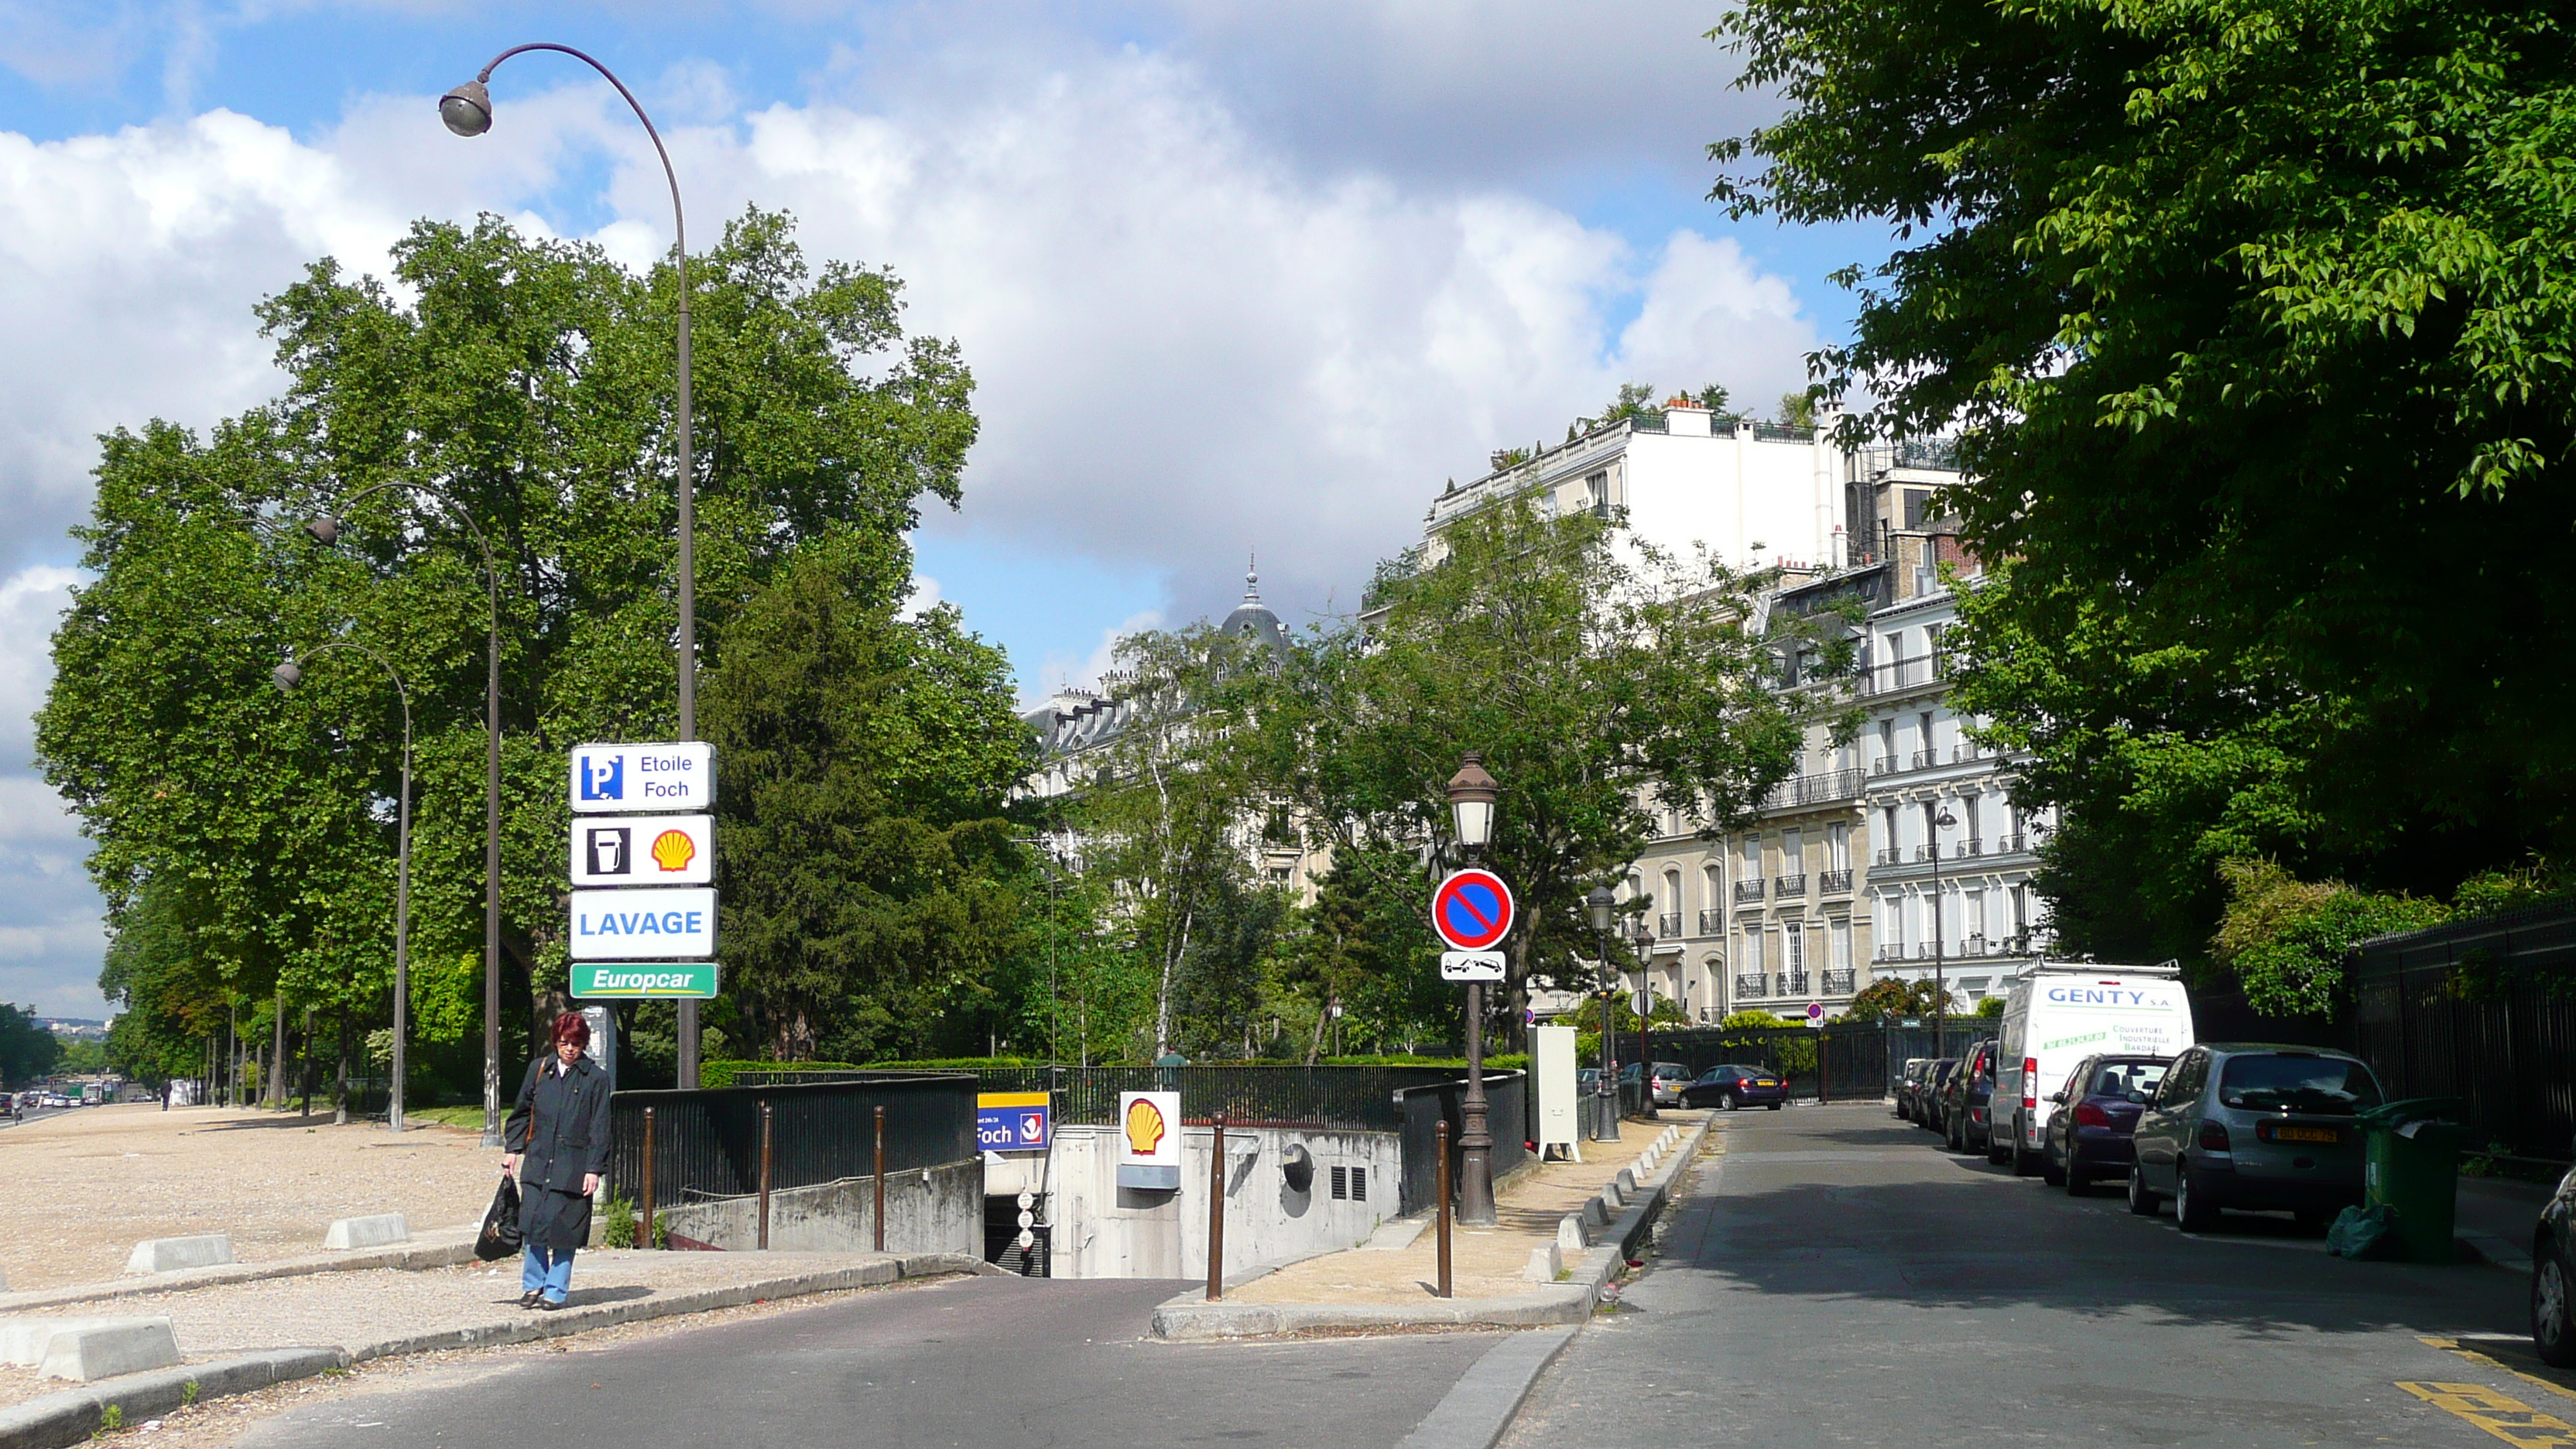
(643, 858)
(1816, 1015)
(1472, 909)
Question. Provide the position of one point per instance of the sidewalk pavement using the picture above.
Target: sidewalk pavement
(1378, 1287)
(238, 1334)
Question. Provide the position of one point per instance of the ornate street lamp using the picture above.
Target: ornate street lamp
(467, 110)
(1940, 989)
(1472, 793)
(1645, 940)
(1598, 903)
(287, 676)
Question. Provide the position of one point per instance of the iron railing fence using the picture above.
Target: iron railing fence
(2482, 1010)
(1351, 1098)
(706, 1143)
(1858, 1060)
(1424, 1107)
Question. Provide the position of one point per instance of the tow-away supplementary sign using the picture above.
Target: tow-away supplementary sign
(1472, 909)
(1471, 965)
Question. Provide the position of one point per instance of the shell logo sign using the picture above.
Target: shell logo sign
(1149, 1141)
(673, 850)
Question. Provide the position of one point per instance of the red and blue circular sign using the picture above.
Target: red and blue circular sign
(1472, 909)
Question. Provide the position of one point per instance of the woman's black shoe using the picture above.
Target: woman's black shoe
(547, 1305)
(531, 1298)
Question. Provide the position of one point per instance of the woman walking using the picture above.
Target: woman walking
(557, 1142)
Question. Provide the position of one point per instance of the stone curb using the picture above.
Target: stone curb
(1190, 1318)
(72, 1416)
(68, 1418)
(444, 1248)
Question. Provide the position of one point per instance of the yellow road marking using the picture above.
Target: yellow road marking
(2500, 1414)
(2452, 1345)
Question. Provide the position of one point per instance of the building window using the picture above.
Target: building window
(1793, 936)
(1838, 847)
(1596, 491)
(1839, 942)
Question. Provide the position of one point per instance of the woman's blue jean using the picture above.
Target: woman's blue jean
(546, 1271)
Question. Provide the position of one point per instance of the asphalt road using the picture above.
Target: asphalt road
(973, 1362)
(1839, 1279)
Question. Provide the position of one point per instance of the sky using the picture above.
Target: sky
(1235, 279)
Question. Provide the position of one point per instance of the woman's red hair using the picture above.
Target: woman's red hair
(572, 1027)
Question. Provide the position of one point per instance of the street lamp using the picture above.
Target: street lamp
(1940, 989)
(1645, 941)
(467, 111)
(287, 676)
(326, 530)
(1472, 793)
(1599, 902)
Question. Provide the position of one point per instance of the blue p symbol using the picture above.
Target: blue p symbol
(603, 782)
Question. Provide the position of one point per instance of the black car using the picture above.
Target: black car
(1935, 1087)
(1733, 1086)
(1966, 1107)
(1909, 1084)
(2089, 1137)
(2553, 1278)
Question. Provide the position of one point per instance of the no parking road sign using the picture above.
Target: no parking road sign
(1472, 909)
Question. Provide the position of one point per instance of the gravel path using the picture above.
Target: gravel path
(79, 1189)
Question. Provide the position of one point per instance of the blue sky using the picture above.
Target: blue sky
(1232, 276)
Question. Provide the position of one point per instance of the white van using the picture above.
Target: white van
(2057, 1015)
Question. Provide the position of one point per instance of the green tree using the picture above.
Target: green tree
(530, 382)
(864, 760)
(2258, 319)
(27, 1051)
(1603, 683)
(2285, 940)
(1891, 999)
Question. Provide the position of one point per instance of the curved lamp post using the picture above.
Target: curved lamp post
(467, 111)
(1645, 943)
(326, 530)
(287, 675)
(1472, 794)
(1598, 903)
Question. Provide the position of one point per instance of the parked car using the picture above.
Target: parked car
(2256, 1126)
(2055, 1016)
(1670, 1079)
(1934, 1087)
(2553, 1278)
(1965, 1109)
(2089, 1136)
(1732, 1086)
(1908, 1083)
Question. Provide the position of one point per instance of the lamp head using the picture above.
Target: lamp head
(1945, 819)
(1598, 901)
(1472, 793)
(467, 110)
(325, 529)
(286, 676)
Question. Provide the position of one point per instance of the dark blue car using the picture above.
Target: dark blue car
(1734, 1086)
(2092, 1137)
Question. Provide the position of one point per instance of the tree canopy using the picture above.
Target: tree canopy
(2259, 319)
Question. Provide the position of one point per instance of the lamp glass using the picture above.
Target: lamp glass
(465, 114)
(1599, 902)
(1475, 822)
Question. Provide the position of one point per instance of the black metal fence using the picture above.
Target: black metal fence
(1854, 1060)
(706, 1143)
(1425, 1107)
(2481, 1010)
(1353, 1098)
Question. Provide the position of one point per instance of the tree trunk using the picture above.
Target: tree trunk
(340, 1089)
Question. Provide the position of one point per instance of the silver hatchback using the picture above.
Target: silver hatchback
(2254, 1126)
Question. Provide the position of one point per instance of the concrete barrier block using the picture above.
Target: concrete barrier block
(169, 1255)
(1626, 1182)
(108, 1347)
(23, 1340)
(1596, 1214)
(1646, 1164)
(1545, 1262)
(1572, 1235)
(380, 1231)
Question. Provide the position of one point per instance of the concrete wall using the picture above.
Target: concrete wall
(1105, 1231)
(936, 1210)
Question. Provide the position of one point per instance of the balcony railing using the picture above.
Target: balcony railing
(1824, 788)
(1669, 925)
(1793, 983)
(1963, 753)
(1712, 921)
(1841, 981)
(1888, 951)
(1926, 759)
(2013, 844)
(1748, 891)
(1834, 882)
(1973, 946)
(1971, 846)
(1749, 986)
(1899, 674)
(1789, 886)
(1892, 855)
(1883, 765)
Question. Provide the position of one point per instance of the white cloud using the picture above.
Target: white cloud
(1062, 671)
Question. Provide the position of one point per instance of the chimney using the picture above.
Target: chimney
(1684, 418)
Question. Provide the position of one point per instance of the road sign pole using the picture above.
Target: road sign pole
(1476, 1144)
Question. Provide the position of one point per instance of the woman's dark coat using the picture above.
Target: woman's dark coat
(559, 1128)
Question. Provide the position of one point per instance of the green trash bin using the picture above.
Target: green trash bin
(2414, 1171)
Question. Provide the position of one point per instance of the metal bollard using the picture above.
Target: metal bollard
(644, 1239)
(880, 1179)
(1216, 1213)
(1442, 1191)
(764, 1177)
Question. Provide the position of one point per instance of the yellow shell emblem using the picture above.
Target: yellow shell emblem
(1145, 1127)
(673, 850)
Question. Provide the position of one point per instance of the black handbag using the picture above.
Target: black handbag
(500, 1236)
